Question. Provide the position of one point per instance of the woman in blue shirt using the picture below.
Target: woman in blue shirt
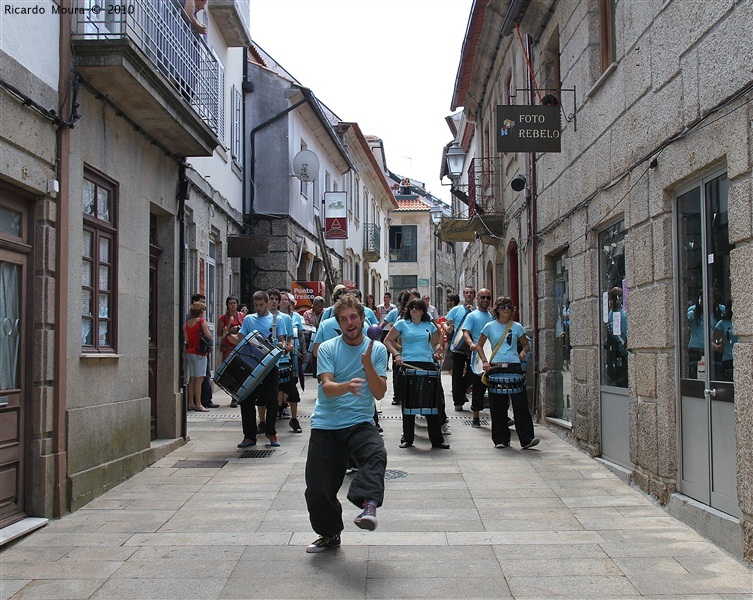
(421, 346)
(503, 334)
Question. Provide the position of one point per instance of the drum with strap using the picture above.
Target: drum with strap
(247, 365)
(423, 391)
(286, 373)
(506, 382)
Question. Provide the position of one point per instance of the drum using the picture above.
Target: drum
(247, 365)
(422, 392)
(286, 373)
(506, 383)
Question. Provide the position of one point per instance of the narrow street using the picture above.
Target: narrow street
(469, 522)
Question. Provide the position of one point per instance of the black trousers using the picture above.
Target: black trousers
(206, 385)
(265, 392)
(433, 422)
(479, 390)
(498, 405)
(461, 377)
(326, 463)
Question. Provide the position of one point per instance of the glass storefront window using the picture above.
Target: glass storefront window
(614, 307)
(563, 402)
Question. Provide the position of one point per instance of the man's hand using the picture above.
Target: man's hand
(355, 386)
(366, 356)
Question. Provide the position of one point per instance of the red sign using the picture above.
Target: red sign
(335, 229)
(335, 216)
(305, 292)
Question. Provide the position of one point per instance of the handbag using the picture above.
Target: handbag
(205, 343)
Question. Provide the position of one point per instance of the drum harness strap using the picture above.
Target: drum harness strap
(496, 347)
(458, 335)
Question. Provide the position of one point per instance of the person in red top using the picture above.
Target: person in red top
(229, 325)
(197, 363)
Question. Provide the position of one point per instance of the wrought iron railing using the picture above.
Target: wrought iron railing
(160, 30)
(372, 238)
(483, 186)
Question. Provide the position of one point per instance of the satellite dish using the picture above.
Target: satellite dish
(306, 165)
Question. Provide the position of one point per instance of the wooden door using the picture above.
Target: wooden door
(14, 257)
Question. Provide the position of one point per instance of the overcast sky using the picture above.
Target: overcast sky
(388, 65)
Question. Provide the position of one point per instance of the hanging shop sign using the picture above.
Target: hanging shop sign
(528, 128)
(305, 292)
(335, 216)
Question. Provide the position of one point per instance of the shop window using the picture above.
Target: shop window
(614, 304)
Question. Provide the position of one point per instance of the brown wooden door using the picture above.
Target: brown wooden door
(14, 256)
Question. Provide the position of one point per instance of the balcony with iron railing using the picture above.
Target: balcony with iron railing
(483, 186)
(147, 61)
(372, 241)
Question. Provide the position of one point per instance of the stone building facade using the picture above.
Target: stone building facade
(643, 217)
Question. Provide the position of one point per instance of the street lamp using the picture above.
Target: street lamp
(436, 219)
(455, 160)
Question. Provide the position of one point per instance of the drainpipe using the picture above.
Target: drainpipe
(248, 265)
(181, 218)
(534, 253)
(62, 228)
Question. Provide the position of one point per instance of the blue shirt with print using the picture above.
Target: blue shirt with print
(416, 340)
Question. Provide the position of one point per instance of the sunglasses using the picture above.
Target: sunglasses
(505, 306)
(484, 297)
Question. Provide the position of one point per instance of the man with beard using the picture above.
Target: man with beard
(352, 372)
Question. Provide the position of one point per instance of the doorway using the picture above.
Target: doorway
(706, 339)
(613, 350)
(14, 392)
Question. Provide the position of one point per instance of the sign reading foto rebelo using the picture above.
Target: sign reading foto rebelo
(528, 129)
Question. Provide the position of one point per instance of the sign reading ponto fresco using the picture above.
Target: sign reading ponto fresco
(528, 128)
(335, 216)
(305, 292)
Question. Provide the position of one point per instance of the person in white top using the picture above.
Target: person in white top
(431, 309)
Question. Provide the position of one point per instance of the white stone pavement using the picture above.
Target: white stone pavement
(470, 522)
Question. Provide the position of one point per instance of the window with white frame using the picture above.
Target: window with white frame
(236, 150)
(220, 99)
(304, 184)
(98, 264)
(211, 281)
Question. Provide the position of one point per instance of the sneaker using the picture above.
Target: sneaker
(295, 426)
(442, 446)
(212, 405)
(446, 429)
(476, 423)
(379, 428)
(262, 427)
(273, 441)
(405, 444)
(246, 443)
(324, 543)
(534, 442)
(459, 407)
(233, 403)
(501, 445)
(367, 519)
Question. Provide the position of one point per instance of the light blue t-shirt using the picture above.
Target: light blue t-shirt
(261, 324)
(456, 315)
(730, 339)
(508, 351)
(416, 340)
(284, 327)
(392, 316)
(475, 323)
(344, 362)
(370, 316)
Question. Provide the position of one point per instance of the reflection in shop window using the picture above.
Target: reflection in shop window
(563, 404)
(614, 316)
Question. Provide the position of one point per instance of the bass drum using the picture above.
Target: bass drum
(247, 365)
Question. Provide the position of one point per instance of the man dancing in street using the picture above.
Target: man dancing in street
(352, 372)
